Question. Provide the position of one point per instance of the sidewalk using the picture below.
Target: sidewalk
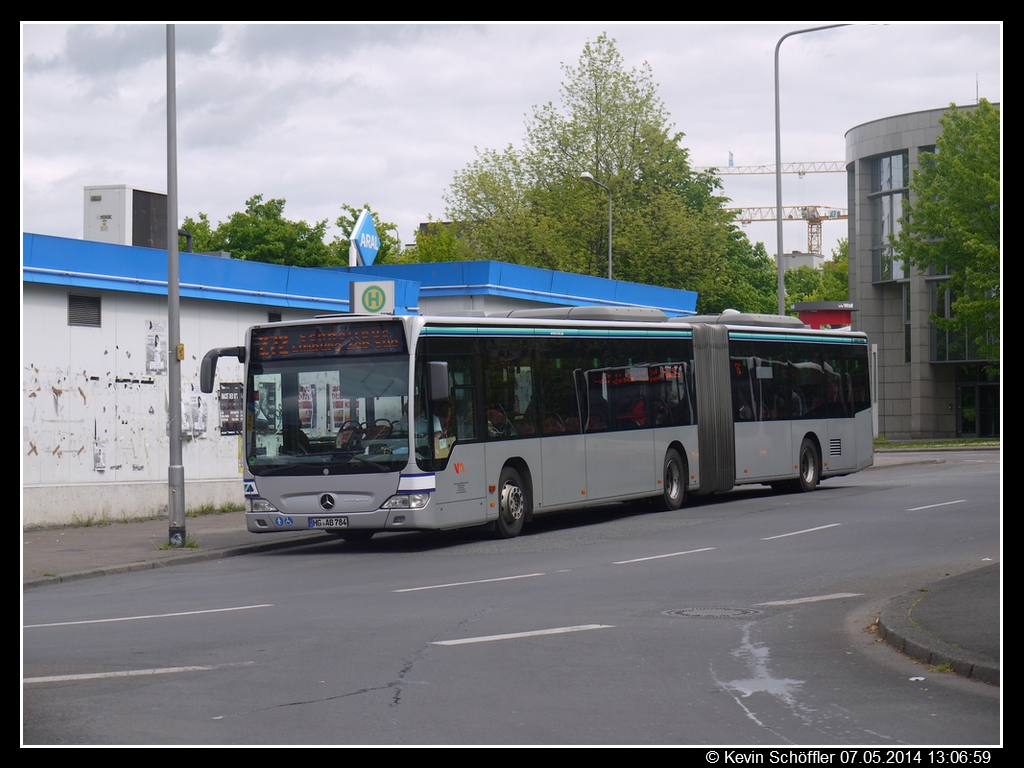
(55, 555)
(952, 622)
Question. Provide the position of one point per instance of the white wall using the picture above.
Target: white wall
(88, 390)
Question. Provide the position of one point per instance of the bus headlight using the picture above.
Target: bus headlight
(261, 505)
(407, 501)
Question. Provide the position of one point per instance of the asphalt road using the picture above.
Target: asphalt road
(737, 620)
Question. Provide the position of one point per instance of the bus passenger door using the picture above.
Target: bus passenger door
(460, 478)
(619, 441)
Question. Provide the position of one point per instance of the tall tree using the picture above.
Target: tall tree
(802, 284)
(830, 283)
(530, 206)
(437, 241)
(835, 275)
(751, 285)
(953, 224)
(262, 233)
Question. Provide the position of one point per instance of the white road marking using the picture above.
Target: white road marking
(797, 533)
(466, 583)
(815, 599)
(941, 504)
(659, 557)
(517, 635)
(130, 673)
(151, 616)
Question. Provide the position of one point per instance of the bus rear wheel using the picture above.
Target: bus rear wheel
(673, 480)
(513, 504)
(810, 467)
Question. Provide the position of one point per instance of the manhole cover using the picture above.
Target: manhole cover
(712, 613)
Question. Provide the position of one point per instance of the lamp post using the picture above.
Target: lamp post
(175, 349)
(778, 166)
(586, 176)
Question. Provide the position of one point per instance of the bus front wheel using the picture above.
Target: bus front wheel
(810, 467)
(673, 480)
(513, 504)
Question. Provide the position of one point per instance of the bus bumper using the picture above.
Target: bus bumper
(394, 519)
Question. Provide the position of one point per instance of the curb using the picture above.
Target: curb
(897, 627)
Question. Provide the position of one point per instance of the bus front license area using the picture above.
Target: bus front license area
(328, 522)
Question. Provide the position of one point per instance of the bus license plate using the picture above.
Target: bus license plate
(328, 522)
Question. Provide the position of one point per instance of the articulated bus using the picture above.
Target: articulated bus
(360, 424)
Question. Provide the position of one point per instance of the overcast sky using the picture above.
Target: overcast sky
(385, 114)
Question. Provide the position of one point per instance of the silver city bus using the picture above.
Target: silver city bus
(360, 424)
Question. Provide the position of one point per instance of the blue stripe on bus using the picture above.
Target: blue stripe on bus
(747, 336)
(513, 332)
(629, 333)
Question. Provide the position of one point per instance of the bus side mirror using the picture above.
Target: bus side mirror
(208, 369)
(438, 380)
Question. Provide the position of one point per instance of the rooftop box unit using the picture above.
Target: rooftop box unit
(125, 215)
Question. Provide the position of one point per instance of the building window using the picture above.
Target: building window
(949, 345)
(84, 311)
(890, 176)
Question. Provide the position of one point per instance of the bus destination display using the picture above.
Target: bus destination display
(337, 339)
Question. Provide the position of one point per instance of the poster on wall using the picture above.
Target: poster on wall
(230, 397)
(193, 412)
(99, 456)
(156, 347)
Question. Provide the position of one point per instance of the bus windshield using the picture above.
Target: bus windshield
(340, 415)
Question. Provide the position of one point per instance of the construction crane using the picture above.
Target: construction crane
(828, 166)
(812, 214)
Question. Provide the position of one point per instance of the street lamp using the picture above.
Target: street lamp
(778, 167)
(586, 176)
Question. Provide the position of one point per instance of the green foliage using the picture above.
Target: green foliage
(751, 286)
(203, 239)
(262, 233)
(530, 206)
(801, 284)
(438, 242)
(832, 283)
(390, 247)
(953, 225)
(835, 276)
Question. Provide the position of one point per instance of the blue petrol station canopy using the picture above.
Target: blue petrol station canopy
(106, 266)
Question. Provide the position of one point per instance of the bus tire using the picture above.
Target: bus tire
(673, 480)
(810, 467)
(513, 504)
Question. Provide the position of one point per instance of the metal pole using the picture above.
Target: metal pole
(778, 168)
(175, 470)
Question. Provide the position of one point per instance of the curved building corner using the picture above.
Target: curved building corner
(929, 383)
